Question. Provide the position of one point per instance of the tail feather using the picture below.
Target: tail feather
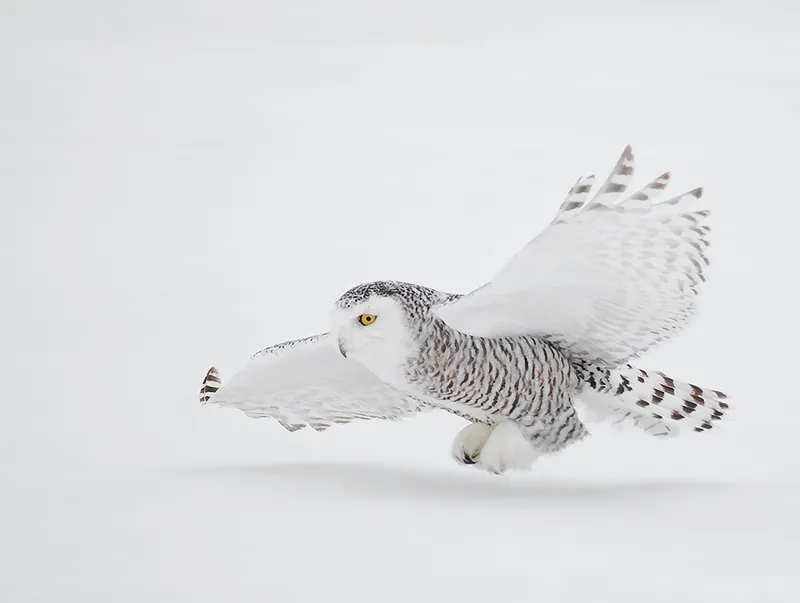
(652, 399)
(599, 408)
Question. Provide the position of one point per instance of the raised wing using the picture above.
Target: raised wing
(307, 382)
(607, 280)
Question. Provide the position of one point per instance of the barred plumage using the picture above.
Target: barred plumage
(211, 384)
(610, 278)
(521, 379)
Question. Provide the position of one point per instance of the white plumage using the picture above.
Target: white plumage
(607, 280)
(308, 382)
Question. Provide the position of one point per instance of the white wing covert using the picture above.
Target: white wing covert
(307, 382)
(606, 280)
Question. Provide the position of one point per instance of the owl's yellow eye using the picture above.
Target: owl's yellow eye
(367, 319)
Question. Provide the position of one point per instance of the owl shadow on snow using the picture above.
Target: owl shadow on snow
(387, 481)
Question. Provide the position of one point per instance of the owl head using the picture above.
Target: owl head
(379, 323)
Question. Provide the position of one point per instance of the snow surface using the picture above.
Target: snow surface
(184, 183)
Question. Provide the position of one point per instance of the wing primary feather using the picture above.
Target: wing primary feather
(697, 193)
(617, 182)
(211, 383)
(649, 193)
(576, 198)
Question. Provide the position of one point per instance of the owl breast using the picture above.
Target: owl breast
(486, 378)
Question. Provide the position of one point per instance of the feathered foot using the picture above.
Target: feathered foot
(507, 448)
(469, 442)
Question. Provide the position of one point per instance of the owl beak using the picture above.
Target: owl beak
(342, 348)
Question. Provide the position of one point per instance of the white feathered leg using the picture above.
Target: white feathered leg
(506, 448)
(469, 442)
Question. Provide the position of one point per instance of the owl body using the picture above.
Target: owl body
(485, 379)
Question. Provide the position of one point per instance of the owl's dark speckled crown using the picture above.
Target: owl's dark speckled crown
(413, 298)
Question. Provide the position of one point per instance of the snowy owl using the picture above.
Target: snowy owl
(607, 280)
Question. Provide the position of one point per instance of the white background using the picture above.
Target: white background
(183, 183)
